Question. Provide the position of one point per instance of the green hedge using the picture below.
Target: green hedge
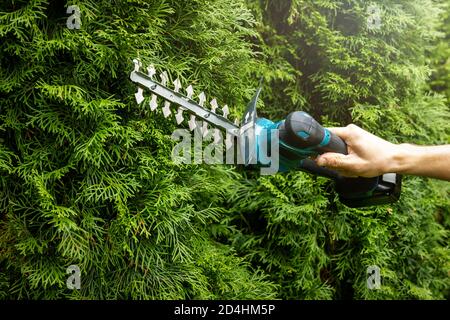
(87, 177)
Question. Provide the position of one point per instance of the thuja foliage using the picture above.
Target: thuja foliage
(321, 56)
(440, 55)
(87, 177)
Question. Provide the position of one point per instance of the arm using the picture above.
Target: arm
(371, 156)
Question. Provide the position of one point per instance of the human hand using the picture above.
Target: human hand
(368, 155)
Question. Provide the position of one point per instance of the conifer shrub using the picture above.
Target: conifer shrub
(324, 57)
(87, 177)
(86, 174)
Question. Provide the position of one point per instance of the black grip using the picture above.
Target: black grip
(300, 130)
(310, 166)
(336, 144)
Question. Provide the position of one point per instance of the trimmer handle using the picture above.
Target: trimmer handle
(303, 131)
(300, 132)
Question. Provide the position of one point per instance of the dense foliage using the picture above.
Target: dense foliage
(440, 56)
(87, 177)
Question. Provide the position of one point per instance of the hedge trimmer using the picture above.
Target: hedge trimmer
(298, 137)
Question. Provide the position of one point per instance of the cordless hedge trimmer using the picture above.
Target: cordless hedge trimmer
(298, 138)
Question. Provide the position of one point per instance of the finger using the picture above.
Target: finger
(341, 132)
(336, 161)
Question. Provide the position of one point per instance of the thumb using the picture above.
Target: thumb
(336, 161)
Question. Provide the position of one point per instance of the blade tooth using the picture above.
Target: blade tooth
(137, 64)
(205, 128)
(153, 102)
(225, 111)
(228, 141)
(179, 116)
(202, 99)
(214, 105)
(217, 136)
(139, 95)
(177, 85)
(190, 91)
(151, 71)
(166, 109)
(164, 78)
(192, 123)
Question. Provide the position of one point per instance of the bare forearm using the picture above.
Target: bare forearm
(370, 156)
(433, 162)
